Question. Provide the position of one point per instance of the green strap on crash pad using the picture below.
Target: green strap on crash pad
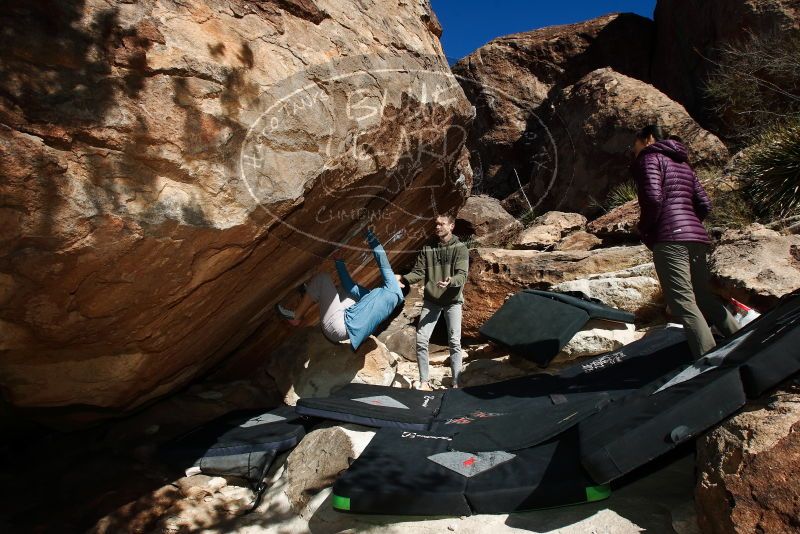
(598, 493)
(341, 503)
(593, 493)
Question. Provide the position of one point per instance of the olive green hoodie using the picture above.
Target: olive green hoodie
(437, 262)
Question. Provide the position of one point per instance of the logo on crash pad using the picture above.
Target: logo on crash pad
(262, 419)
(383, 401)
(468, 464)
(467, 419)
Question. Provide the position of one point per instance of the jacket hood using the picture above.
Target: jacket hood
(670, 148)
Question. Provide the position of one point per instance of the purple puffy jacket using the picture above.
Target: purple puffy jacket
(672, 201)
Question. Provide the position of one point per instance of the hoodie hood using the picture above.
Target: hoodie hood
(669, 147)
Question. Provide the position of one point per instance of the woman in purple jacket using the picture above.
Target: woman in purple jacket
(673, 204)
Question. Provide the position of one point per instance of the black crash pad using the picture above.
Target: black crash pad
(534, 327)
(378, 406)
(241, 443)
(394, 476)
(595, 309)
(411, 473)
(520, 413)
(655, 419)
(768, 349)
(676, 407)
(543, 476)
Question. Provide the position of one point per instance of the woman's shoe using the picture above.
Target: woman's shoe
(284, 313)
(287, 315)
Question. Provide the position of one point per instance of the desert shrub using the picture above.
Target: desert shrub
(528, 217)
(620, 194)
(771, 170)
(755, 83)
(731, 210)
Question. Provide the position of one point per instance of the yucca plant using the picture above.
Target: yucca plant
(528, 217)
(771, 168)
(620, 194)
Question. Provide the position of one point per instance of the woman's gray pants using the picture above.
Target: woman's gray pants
(427, 321)
(683, 272)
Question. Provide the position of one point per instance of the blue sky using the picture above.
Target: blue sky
(469, 24)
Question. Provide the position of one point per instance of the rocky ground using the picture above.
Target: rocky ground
(659, 502)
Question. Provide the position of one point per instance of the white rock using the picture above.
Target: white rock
(319, 458)
(597, 337)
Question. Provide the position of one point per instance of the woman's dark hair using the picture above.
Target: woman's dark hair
(651, 129)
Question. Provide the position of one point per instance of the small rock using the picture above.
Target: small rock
(216, 483)
(186, 484)
(538, 237)
(597, 337)
(401, 381)
(319, 458)
(485, 218)
(618, 224)
(579, 241)
(565, 222)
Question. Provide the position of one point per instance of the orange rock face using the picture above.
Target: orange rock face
(747, 468)
(171, 171)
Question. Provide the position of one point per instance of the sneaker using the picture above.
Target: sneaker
(284, 313)
(424, 386)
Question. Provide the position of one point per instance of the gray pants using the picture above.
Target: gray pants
(332, 304)
(683, 272)
(427, 321)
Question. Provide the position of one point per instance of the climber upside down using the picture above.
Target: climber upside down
(352, 312)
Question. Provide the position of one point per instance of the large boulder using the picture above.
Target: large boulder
(307, 364)
(747, 468)
(484, 218)
(171, 170)
(592, 124)
(495, 274)
(756, 265)
(508, 79)
(691, 34)
(636, 290)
